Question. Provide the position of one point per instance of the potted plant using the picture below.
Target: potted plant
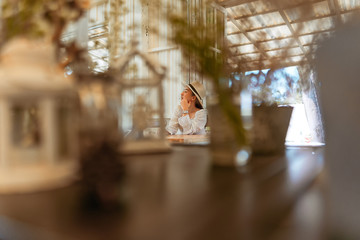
(272, 94)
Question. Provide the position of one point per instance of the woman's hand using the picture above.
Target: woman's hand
(185, 104)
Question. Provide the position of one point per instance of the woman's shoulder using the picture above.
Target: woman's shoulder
(201, 111)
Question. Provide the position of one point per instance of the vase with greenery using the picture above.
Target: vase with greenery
(219, 67)
(196, 42)
(273, 92)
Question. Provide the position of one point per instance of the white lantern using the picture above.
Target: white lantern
(38, 123)
(142, 104)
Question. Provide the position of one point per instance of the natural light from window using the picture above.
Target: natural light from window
(298, 133)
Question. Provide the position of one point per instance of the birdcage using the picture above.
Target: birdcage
(38, 119)
(141, 120)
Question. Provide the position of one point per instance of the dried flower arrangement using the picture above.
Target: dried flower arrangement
(197, 43)
(42, 19)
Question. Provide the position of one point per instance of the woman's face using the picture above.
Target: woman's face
(187, 94)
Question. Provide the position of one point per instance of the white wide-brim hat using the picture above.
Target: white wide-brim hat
(198, 89)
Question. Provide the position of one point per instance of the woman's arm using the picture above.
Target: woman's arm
(173, 125)
(196, 125)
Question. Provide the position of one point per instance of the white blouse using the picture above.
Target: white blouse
(185, 124)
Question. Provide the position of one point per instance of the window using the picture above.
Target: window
(282, 86)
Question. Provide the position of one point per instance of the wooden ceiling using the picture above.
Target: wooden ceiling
(279, 33)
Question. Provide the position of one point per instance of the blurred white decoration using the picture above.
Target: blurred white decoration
(142, 102)
(141, 116)
(337, 68)
(38, 122)
(98, 109)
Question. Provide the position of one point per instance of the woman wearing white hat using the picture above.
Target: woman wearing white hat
(190, 117)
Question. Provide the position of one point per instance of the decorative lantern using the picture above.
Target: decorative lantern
(38, 124)
(142, 104)
(98, 109)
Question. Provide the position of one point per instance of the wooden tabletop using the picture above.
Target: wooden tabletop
(189, 139)
(180, 195)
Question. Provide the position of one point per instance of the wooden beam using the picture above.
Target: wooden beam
(232, 3)
(244, 54)
(334, 7)
(256, 45)
(234, 33)
(253, 67)
(299, 35)
(283, 24)
(255, 14)
(275, 10)
(276, 49)
(218, 7)
(289, 37)
(333, 13)
(279, 49)
(301, 20)
(266, 27)
(291, 29)
(276, 58)
(240, 45)
(257, 29)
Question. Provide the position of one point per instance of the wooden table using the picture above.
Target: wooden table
(189, 139)
(174, 196)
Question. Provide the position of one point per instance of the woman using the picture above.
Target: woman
(190, 116)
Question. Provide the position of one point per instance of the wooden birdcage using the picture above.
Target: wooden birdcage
(142, 105)
(38, 120)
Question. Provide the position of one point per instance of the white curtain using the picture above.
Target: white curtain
(310, 97)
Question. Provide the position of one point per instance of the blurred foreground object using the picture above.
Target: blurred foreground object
(38, 119)
(272, 91)
(225, 150)
(337, 66)
(101, 166)
(102, 172)
(39, 19)
(270, 125)
(142, 102)
(229, 143)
